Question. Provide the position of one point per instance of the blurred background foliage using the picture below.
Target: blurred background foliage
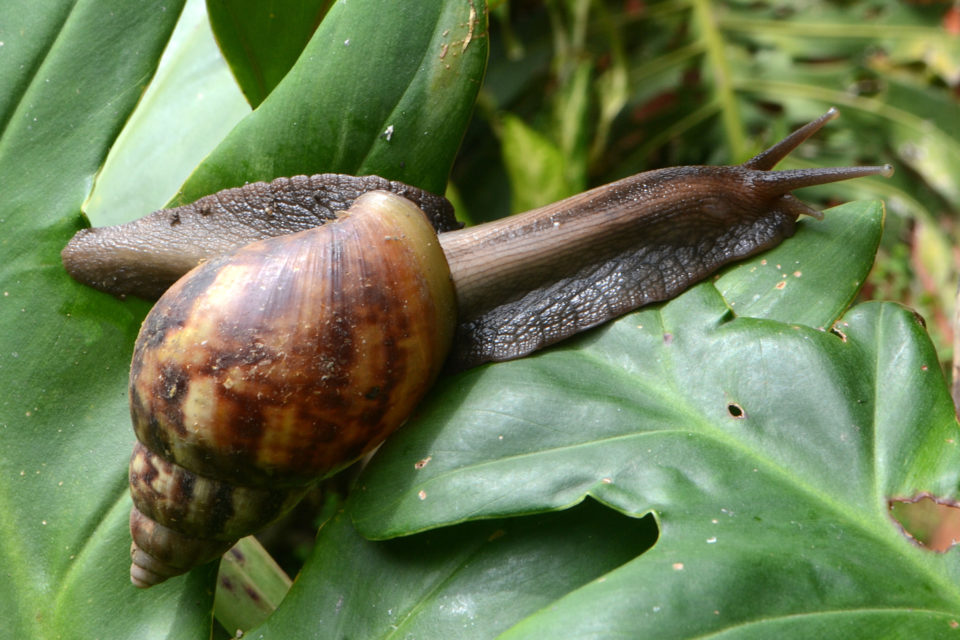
(582, 92)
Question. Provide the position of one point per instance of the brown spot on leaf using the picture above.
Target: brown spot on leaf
(837, 332)
(252, 593)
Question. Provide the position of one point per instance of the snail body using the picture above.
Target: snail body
(265, 369)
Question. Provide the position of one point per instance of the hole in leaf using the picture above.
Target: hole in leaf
(736, 411)
(931, 522)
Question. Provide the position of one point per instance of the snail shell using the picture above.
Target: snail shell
(253, 377)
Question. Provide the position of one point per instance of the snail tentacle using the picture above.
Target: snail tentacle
(771, 157)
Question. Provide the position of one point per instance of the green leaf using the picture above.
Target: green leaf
(250, 585)
(781, 528)
(76, 70)
(766, 450)
(572, 123)
(385, 92)
(261, 40)
(470, 581)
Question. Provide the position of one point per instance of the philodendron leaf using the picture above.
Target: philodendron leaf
(384, 89)
(812, 278)
(767, 451)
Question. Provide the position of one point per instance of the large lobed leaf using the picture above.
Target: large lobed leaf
(468, 581)
(767, 451)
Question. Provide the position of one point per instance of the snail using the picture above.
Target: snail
(269, 367)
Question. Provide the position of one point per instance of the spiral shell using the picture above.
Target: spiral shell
(259, 373)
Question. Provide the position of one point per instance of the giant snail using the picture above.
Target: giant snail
(286, 354)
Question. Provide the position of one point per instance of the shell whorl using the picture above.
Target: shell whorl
(253, 376)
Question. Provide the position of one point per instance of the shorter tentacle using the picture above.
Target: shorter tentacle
(796, 208)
